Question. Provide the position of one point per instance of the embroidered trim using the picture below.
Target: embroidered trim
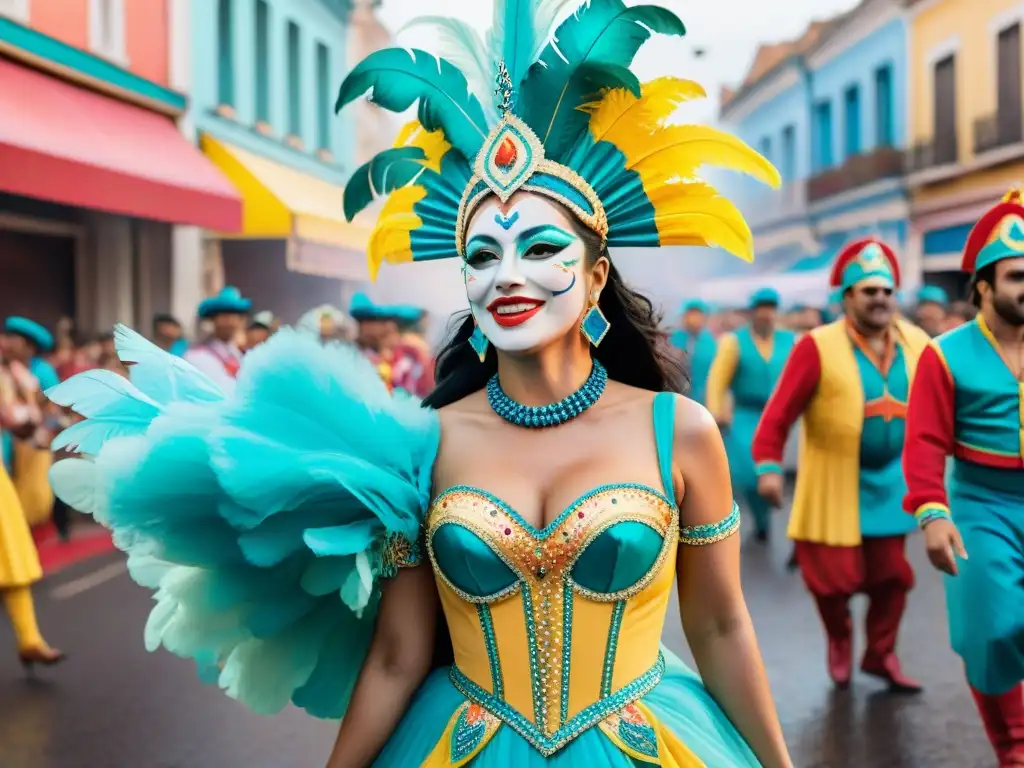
(631, 732)
(487, 625)
(768, 468)
(669, 543)
(709, 533)
(592, 715)
(567, 600)
(473, 728)
(483, 535)
(611, 647)
(930, 512)
(399, 552)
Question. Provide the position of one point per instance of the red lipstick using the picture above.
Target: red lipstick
(518, 310)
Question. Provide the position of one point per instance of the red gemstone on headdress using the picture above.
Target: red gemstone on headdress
(505, 156)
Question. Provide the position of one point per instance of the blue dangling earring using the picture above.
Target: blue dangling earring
(594, 325)
(478, 342)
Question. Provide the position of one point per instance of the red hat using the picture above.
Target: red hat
(997, 235)
(851, 256)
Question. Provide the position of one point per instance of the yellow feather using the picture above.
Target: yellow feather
(668, 158)
(681, 150)
(619, 114)
(432, 143)
(391, 239)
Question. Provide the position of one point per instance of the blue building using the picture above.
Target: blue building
(829, 109)
(265, 74)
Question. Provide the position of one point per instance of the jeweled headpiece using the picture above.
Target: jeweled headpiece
(862, 260)
(560, 115)
(998, 235)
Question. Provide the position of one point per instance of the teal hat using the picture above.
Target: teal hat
(763, 296)
(998, 235)
(696, 305)
(228, 301)
(862, 260)
(31, 330)
(362, 307)
(933, 294)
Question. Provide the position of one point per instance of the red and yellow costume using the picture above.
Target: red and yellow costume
(968, 403)
(846, 518)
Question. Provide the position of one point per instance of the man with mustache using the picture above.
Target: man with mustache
(849, 380)
(966, 403)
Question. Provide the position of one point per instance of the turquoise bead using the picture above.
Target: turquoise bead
(553, 414)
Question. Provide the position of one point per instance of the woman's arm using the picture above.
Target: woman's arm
(715, 618)
(399, 658)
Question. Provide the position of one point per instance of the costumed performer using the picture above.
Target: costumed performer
(850, 381)
(379, 336)
(966, 402)
(547, 498)
(695, 339)
(220, 356)
(27, 341)
(20, 413)
(747, 365)
(930, 311)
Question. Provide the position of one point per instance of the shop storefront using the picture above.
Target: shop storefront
(94, 174)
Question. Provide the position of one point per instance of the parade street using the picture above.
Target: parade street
(113, 705)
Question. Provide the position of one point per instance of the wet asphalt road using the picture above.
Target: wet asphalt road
(112, 705)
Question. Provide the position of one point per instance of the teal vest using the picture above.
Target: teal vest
(881, 439)
(987, 396)
(700, 351)
(755, 377)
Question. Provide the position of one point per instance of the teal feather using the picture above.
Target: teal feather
(396, 78)
(163, 378)
(604, 33)
(269, 580)
(518, 42)
(112, 405)
(388, 170)
(463, 46)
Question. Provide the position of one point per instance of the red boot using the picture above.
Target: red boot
(888, 668)
(1003, 718)
(835, 615)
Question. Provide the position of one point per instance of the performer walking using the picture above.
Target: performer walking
(850, 381)
(220, 356)
(314, 524)
(694, 338)
(748, 364)
(966, 403)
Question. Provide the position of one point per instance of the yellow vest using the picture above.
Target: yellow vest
(825, 505)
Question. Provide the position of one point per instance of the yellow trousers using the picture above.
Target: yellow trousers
(22, 611)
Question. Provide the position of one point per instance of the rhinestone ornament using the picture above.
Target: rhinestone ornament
(554, 414)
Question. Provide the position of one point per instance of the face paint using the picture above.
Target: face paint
(524, 272)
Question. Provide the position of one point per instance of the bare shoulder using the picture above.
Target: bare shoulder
(694, 423)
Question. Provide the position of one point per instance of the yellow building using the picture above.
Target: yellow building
(966, 124)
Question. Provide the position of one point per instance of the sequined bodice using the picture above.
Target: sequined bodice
(540, 619)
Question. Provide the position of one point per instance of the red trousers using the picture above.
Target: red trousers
(877, 568)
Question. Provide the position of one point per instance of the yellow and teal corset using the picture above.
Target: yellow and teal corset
(580, 605)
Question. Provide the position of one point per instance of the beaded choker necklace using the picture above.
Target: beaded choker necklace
(537, 416)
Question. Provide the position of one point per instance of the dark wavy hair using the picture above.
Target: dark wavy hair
(635, 351)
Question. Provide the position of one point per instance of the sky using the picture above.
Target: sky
(728, 31)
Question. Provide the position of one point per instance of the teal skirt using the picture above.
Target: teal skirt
(680, 703)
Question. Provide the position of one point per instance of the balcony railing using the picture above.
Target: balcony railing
(932, 154)
(997, 131)
(857, 171)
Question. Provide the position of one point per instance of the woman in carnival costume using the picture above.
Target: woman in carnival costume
(302, 533)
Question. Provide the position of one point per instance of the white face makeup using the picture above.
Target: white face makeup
(524, 272)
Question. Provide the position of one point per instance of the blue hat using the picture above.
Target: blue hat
(31, 330)
(228, 301)
(362, 308)
(836, 297)
(932, 293)
(763, 296)
(696, 305)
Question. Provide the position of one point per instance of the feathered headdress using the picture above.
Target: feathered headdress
(549, 106)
